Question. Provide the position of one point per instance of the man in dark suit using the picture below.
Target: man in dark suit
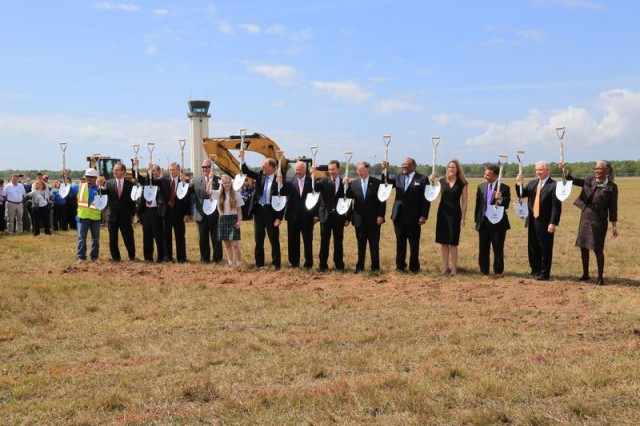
(120, 211)
(490, 234)
(175, 217)
(544, 216)
(152, 213)
(331, 222)
(368, 215)
(300, 220)
(207, 224)
(265, 219)
(410, 211)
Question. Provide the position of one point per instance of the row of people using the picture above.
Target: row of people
(163, 218)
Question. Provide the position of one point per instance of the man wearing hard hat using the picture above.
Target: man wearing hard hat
(89, 216)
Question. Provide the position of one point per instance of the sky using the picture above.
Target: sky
(488, 77)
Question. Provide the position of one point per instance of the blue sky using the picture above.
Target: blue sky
(488, 77)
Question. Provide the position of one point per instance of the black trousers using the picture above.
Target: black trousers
(303, 225)
(368, 234)
(60, 217)
(490, 235)
(263, 218)
(207, 238)
(125, 227)
(41, 219)
(174, 225)
(152, 231)
(334, 225)
(407, 232)
(540, 248)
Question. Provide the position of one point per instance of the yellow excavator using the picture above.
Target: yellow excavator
(218, 150)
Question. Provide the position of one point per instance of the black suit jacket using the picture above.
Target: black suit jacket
(119, 207)
(328, 198)
(296, 206)
(481, 205)
(366, 210)
(259, 188)
(410, 205)
(550, 206)
(181, 207)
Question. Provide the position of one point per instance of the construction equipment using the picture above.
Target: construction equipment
(218, 150)
(105, 164)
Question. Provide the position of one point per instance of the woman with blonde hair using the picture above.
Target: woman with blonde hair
(230, 208)
(451, 212)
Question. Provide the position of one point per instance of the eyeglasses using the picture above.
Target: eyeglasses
(206, 167)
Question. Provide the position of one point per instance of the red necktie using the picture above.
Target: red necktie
(172, 198)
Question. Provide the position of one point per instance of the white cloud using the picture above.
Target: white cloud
(396, 105)
(276, 29)
(280, 74)
(349, 91)
(160, 12)
(610, 131)
(252, 29)
(224, 27)
(127, 7)
(381, 79)
(526, 36)
(572, 4)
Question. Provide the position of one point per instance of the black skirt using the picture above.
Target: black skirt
(227, 230)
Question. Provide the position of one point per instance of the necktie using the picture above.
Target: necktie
(119, 188)
(364, 189)
(489, 196)
(301, 186)
(335, 186)
(536, 203)
(406, 182)
(172, 198)
(263, 198)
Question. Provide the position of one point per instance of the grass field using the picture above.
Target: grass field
(133, 343)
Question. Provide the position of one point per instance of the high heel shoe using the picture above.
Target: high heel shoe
(600, 281)
(446, 271)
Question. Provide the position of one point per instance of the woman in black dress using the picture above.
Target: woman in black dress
(598, 201)
(451, 213)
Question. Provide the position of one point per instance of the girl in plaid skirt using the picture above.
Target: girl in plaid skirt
(230, 208)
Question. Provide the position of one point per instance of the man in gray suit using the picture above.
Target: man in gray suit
(207, 224)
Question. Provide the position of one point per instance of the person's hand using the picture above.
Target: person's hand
(313, 169)
(462, 223)
(346, 181)
(277, 222)
(241, 154)
(498, 196)
(346, 223)
(520, 178)
(422, 220)
(186, 218)
(614, 233)
(551, 229)
(385, 165)
(379, 220)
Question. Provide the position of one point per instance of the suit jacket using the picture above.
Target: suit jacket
(296, 206)
(161, 198)
(122, 206)
(198, 192)
(259, 188)
(328, 198)
(481, 205)
(410, 205)
(550, 206)
(181, 207)
(604, 203)
(366, 210)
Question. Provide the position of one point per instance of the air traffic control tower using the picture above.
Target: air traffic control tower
(199, 117)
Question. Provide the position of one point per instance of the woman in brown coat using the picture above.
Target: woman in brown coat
(598, 201)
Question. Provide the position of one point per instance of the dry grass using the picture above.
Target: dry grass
(132, 343)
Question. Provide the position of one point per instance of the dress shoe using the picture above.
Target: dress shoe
(584, 278)
(533, 275)
(600, 281)
(543, 278)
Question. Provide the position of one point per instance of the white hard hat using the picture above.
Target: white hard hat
(91, 172)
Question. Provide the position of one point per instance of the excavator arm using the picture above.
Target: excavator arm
(218, 150)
